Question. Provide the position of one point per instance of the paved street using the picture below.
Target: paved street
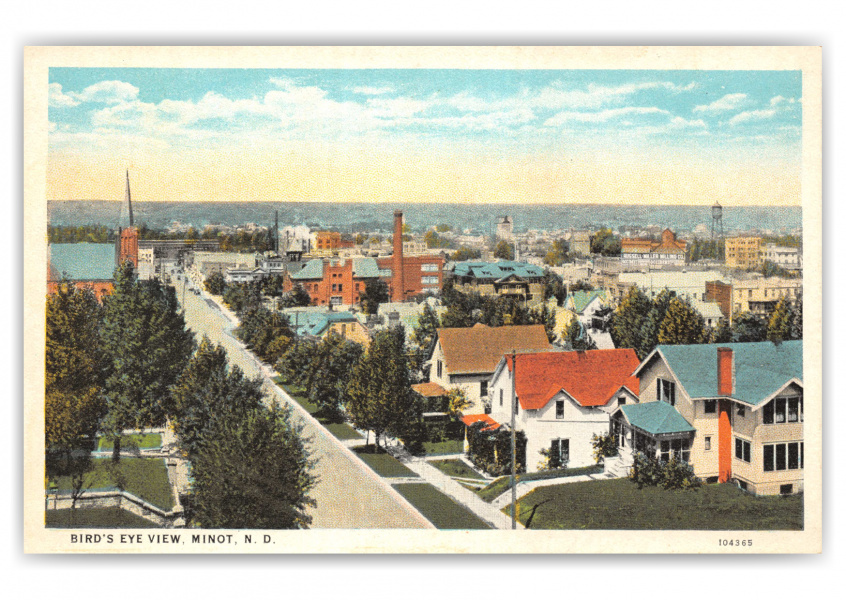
(348, 494)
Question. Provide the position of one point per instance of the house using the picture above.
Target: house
(466, 357)
(733, 411)
(563, 399)
(84, 265)
(646, 252)
(317, 323)
(786, 257)
(757, 295)
(505, 278)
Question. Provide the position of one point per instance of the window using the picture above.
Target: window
(784, 410)
(783, 457)
(621, 401)
(707, 442)
(786, 489)
(710, 406)
(340, 287)
(440, 369)
(483, 388)
(428, 280)
(667, 391)
(500, 397)
(336, 300)
(334, 287)
(742, 450)
(741, 410)
(429, 267)
(561, 449)
(559, 409)
(680, 448)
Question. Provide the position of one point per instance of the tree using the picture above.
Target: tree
(578, 337)
(465, 253)
(627, 320)
(748, 327)
(379, 395)
(293, 367)
(272, 286)
(330, 371)
(457, 402)
(558, 253)
(504, 250)
(298, 296)
(215, 284)
(208, 391)
(796, 324)
(546, 317)
(73, 369)
(606, 243)
(427, 328)
(252, 473)
(146, 345)
(780, 323)
(375, 293)
(721, 334)
(554, 288)
(681, 325)
(652, 323)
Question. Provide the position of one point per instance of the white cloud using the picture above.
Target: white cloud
(781, 100)
(752, 115)
(726, 103)
(604, 115)
(109, 92)
(369, 90)
(58, 99)
(51, 126)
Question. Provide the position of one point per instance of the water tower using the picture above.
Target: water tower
(716, 220)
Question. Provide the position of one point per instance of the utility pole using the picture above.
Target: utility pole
(513, 439)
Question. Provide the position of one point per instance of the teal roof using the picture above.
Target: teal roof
(315, 323)
(496, 270)
(578, 301)
(82, 262)
(362, 267)
(656, 418)
(365, 267)
(760, 368)
(313, 269)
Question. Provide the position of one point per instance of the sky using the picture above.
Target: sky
(493, 136)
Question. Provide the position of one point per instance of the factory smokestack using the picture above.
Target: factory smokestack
(398, 279)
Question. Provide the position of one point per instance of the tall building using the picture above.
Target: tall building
(398, 275)
(126, 244)
(505, 228)
(743, 252)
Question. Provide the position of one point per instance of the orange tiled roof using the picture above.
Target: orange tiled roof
(591, 377)
(470, 419)
(429, 389)
(478, 349)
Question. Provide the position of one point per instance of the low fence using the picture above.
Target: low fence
(123, 500)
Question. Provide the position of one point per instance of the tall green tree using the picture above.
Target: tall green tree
(578, 337)
(604, 242)
(628, 319)
(796, 324)
(682, 324)
(427, 325)
(147, 346)
(380, 398)
(653, 321)
(298, 296)
(215, 284)
(208, 391)
(252, 473)
(748, 327)
(375, 293)
(779, 326)
(554, 288)
(74, 374)
(331, 368)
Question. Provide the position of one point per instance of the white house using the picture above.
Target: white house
(563, 399)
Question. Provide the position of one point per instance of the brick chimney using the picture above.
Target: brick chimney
(397, 279)
(725, 371)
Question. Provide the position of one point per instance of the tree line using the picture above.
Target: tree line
(131, 363)
(642, 323)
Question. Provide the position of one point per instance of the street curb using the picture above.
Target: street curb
(375, 476)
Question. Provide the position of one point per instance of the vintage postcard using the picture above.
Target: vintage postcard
(422, 299)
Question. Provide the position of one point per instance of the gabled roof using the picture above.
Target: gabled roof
(760, 368)
(365, 267)
(430, 389)
(478, 349)
(656, 418)
(496, 270)
(81, 262)
(313, 269)
(490, 423)
(315, 323)
(578, 301)
(590, 377)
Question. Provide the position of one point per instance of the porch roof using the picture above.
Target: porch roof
(430, 389)
(489, 422)
(656, 418)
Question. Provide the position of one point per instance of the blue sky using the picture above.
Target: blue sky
(611, 119)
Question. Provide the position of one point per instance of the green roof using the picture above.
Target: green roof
(315, 323)
(578, 301)
(656, 418)
(496, 270)
(82, 262)
(365, 267)
(313, 269)
(362, 267)
(760, 368)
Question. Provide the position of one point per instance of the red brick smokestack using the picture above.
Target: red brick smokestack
(725, 371)
(397, 279)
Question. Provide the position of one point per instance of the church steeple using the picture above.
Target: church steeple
(129, 200)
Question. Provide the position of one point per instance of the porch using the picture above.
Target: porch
(655, 429)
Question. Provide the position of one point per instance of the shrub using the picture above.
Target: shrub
(551, 460)
(678, 475)
(603, 446)
(672, 475)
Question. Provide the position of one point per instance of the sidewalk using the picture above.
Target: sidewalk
(445, 484)
(524, 487)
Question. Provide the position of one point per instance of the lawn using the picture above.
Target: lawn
(456, 468)
(383, 463)
(499, 486)
(447, 447)
(144, 477)
(97, 518)
(618, 504)
(140, 440)
(440, 509)
(342, 431)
